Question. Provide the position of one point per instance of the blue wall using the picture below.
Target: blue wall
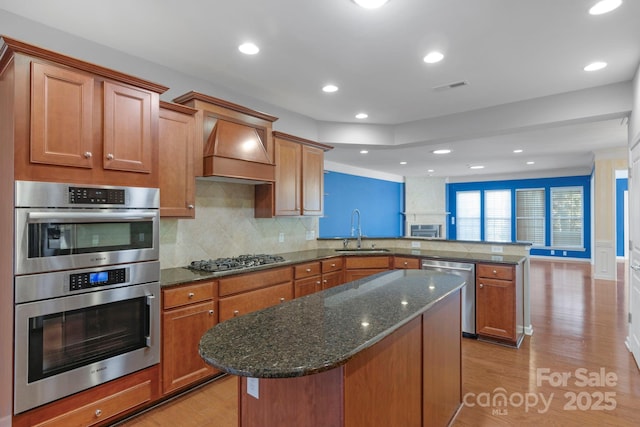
(380, 203)
(546, 183)
(622, 185)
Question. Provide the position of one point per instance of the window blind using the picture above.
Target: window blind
(567, 217)
(497, 215)
(468, 215)
(530, 216)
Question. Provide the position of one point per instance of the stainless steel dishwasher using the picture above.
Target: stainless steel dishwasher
(468, 272)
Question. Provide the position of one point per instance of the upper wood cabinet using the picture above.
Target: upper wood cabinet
(299, 184)
(77, 122)
(176, 141)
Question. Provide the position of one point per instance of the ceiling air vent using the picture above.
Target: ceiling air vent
(453, 85)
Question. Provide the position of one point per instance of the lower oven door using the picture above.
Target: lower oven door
(65, 345)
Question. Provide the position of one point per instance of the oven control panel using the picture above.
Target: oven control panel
(97, 278)
(96, 196)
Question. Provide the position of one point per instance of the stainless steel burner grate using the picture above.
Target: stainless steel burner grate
(235, 263)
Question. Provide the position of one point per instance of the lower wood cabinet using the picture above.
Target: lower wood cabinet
(307, 278)
(99, 406)
(332, 272)
(499, 303)
(249, 292)
(188, 312)
(358, 267)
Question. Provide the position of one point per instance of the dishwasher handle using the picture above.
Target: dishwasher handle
(447, 267)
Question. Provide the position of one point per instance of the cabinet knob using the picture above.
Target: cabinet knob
(406, 263)
(236, 313)
(109, 156)
(333, 265)
(98, 412)
(308, 270)
(190, 207)
(495, 272)
(281, 299)
(481, 285)
(191, 295)
(211, 312)
(324, 281)
(87, 154)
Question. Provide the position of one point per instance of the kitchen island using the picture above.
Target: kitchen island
(380, 351)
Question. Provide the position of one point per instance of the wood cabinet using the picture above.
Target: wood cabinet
(308, 278)
(249, 292)
(232, 142)
(499, 303)
(298, 189)
(77, 122)
(400, 262)
(188, 312)
(358, 267)
(332, 272)
(98, 406)
(176, 160)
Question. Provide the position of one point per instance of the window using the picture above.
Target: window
(468, 215)
(567, 217)
(497, 215)
(530, 217)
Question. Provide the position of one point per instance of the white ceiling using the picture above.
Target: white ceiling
(509, 51)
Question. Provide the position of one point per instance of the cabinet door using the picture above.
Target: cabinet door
(176, 161)
(329, 280)
(61, 116)
(287, 185)
(182, 329)
(312, 180)
(307, 286)
(495, 308)
(128, 132)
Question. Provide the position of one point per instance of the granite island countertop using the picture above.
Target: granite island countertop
(324, 330)
(179, 275)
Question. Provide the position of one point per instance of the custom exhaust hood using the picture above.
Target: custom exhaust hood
(237, 141)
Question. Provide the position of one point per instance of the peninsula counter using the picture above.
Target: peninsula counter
(380, 351)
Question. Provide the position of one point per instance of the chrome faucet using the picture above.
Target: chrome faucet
(359, 230)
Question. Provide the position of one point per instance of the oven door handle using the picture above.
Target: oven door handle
(37, 217)
(149, 329)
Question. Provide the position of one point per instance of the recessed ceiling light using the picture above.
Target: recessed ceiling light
(604, 6)
(433, 57)
(364, 151)
(441, 151)
(330, 88)
(517, 151)
(430, 170)
(403, 163)
(595, 66)
(248, 48)
(361, 116)
(370, 4)
(476, 167)
(531, 163)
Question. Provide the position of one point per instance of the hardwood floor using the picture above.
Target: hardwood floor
(580, 326)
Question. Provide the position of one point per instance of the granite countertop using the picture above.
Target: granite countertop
(324, 330)
(178, 275)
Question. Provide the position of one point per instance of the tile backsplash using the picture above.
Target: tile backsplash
(225, 226)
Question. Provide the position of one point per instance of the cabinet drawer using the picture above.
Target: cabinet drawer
(306, 270)
(333, 264)
(493, 271)
(238, 305)
(103, 409)
(183, 295)
(367, 262)
(249, 281)
(401, 262)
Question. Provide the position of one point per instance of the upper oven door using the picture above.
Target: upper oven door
(60, 239)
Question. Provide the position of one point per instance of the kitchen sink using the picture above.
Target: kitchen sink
(362, 251)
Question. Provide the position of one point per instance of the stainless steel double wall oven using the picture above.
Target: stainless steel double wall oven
(87, 288)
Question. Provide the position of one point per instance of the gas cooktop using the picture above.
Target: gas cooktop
(235, 263)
